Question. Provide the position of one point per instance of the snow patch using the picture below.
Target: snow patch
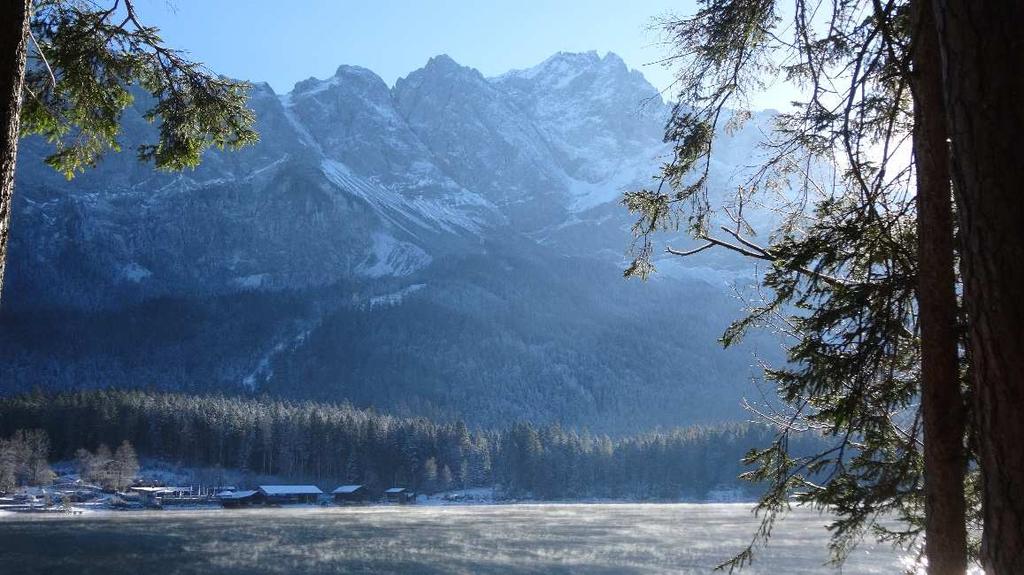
(263, 372)
(393, 257)
(444, 214)
(470, 496)
(304, 134)
(134, 272)
(394, 298)
(565, 65)
(253, 281)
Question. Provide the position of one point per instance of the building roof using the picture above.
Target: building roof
(396, 490)
(235, 494)
(290, 489)
(347, 489)
(152, 489)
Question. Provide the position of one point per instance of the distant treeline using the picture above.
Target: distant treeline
(331, 443)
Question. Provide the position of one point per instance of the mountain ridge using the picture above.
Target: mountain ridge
(437, 215)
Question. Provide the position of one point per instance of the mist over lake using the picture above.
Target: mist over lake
(578, 538)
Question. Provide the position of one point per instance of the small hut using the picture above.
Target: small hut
(150, 496)
(289, 494)
(399, 495)
(348, 494)
(183, 495)
(236, 499)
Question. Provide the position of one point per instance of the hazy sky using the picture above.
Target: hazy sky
(284, 41)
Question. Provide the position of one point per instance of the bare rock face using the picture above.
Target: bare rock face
(382, 245)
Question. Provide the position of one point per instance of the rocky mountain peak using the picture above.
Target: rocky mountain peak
(370, 248)
(576, 72)
(443, 155)
(443, 62)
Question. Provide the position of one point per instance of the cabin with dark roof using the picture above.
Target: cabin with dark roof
(399, 495)
(289, 494)
(236, 499)
(349, 494)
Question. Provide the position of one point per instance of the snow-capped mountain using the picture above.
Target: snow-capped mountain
(603, 121)
(407, 217)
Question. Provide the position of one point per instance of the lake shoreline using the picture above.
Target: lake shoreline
(79, 511)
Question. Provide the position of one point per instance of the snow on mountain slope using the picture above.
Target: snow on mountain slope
(440, 162)
(392, 257)
(296, 266)
(595, 112)
(482, 141)
(365, 146)
(426, 213)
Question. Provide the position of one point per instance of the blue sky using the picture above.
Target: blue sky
(284, 41)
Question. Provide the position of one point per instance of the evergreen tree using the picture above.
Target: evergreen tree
(546, 462)
(353, 473)
(429, 482)
(983, 77)
(464, 473)
(861, 255)
(69, 69)
(445, 478)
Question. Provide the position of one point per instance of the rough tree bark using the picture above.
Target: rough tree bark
(14, 18)
(983, 76)
(942, 402)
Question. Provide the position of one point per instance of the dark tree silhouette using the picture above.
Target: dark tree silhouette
(69, 69)
(862, 254)
(983, 83)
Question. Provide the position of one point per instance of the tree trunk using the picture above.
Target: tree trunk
(13, 53)
(942, 402)
(983, 64)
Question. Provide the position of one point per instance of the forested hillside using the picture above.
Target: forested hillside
(331, 443)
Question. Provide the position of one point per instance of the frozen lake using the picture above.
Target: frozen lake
(581, 538)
